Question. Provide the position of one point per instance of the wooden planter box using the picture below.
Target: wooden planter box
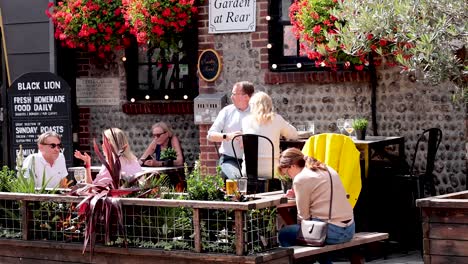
(445, 228)
(46, 228)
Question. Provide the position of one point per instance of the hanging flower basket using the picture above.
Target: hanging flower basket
(96, 26)
(159, 23)
(316, 27)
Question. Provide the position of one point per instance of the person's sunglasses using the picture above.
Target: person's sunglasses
(159, 134)
(53, 145)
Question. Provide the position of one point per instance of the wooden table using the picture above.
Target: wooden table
(176, 174)
(376, 143)
(149, 169)
(283, 209)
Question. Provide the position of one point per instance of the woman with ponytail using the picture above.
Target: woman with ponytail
(311, 186)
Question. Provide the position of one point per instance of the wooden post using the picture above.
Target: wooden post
(239, 222)
(25, 219)
(197, 231)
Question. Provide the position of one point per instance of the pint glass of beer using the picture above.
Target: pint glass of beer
(231, 186)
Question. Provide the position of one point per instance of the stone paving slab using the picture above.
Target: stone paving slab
(413, 257)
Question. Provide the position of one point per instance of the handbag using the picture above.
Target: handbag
(314, 232)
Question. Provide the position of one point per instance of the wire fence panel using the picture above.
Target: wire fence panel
(10, 219)
(260, 230)
(191, 226)
(55, 221)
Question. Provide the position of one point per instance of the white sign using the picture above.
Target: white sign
(97, 91)
(231, 16)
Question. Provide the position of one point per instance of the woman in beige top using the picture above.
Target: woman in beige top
(311, 185)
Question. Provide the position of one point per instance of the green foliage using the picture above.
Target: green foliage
(168, 154)
(428, 38)
(22, 180)
(204, 187)
(360, 123)
(7, 177)
(282, 177)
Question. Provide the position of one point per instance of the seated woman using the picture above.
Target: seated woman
(119, 142)
(263, 121)
(163, 138)
(311, 185)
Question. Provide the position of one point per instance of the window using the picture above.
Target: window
(151, 78)
(284, 54)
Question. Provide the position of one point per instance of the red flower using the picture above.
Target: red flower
(383, 42)
(156, 22)
(359, 67)
(317, 29)
(92, 25)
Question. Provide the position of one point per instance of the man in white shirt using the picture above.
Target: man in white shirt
(48, 161)
(228, 124)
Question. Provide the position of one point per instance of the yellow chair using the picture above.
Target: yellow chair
(339, 152)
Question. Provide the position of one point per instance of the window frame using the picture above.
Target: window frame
(276, 55)
(190, 84)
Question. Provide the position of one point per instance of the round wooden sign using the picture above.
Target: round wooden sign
(209, 65)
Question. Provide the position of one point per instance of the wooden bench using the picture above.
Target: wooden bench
(359, 239)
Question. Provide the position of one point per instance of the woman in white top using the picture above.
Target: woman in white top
(263, 121)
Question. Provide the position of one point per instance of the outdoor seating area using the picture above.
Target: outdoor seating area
(229, 132)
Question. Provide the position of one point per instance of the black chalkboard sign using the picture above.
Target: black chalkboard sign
(39, 102)
(209, 65)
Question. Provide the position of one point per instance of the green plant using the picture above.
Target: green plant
(7, 177)
(168, 154)
(24, 182)
(360, 123)
(427, 38)
(204, 187)
(283, 177)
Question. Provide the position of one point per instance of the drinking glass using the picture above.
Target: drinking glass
(311, 127)
(242, 185)
(231, 187)
(80, 175)
(301, 127)
(340, 124)
(348, 126)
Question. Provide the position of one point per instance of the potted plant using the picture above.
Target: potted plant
(286, 182)
(360, 126)
(168, 156)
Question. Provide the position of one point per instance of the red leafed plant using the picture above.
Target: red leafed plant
(159, 23)
(91, 25)
(99, 204)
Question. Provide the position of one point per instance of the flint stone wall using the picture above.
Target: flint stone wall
(404, 107)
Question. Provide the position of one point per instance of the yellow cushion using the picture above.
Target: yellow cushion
(339, 152)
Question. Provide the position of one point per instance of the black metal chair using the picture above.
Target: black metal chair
(406, 188)
(424, 182)
(256, 183)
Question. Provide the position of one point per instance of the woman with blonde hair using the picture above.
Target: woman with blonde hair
(163, 139)
(263, 121)
(119, 143)
(312, 189)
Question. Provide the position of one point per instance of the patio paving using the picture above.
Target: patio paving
(412, 257)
